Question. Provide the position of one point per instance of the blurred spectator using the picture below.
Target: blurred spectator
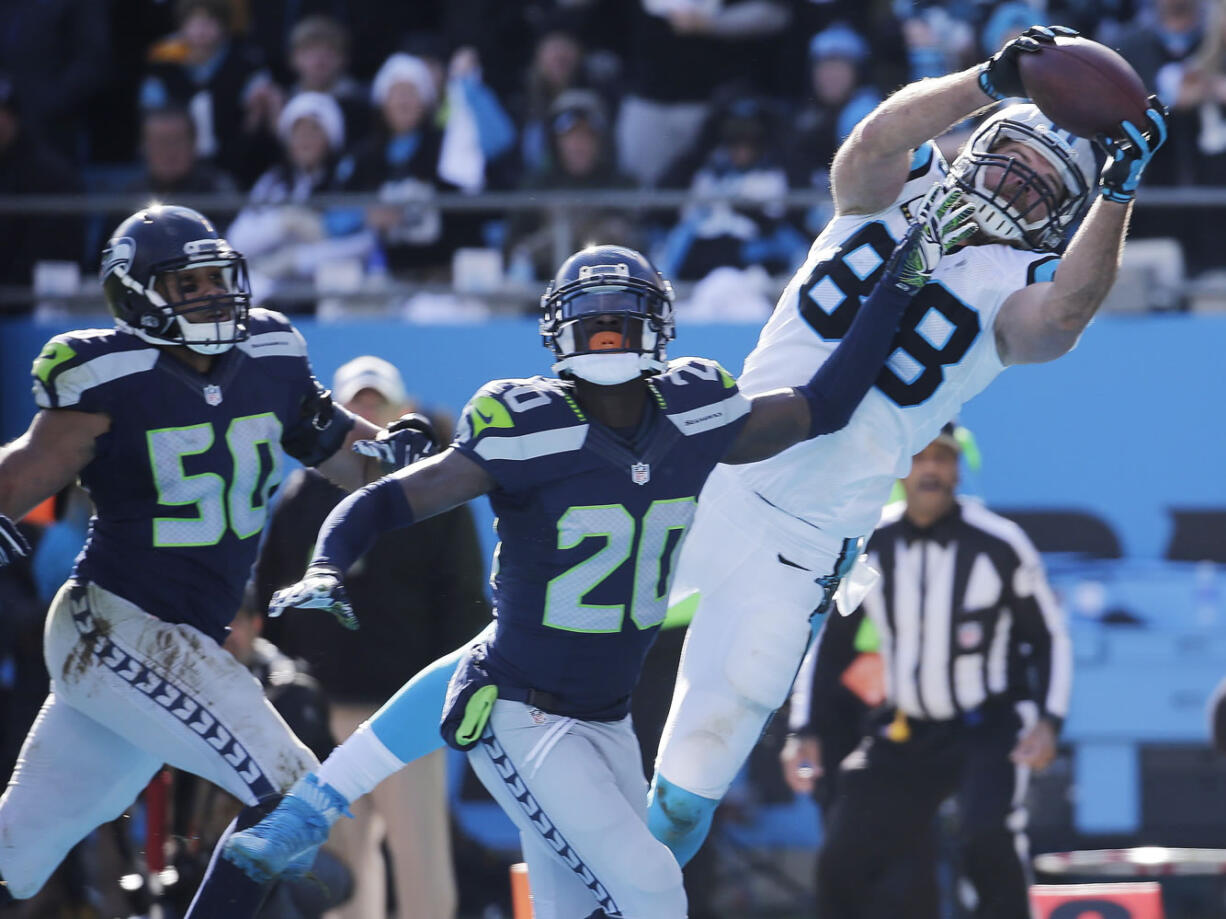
(400, 162)
(556, 67)
(29, 167)
(938, 39)
(319, 58)
(222, 82)
(172, 165)
(840, 97)
(283, 237)
(1166, 32)
(745, 163)
(679, 51)
(580, 157)
(1171, 51)
(56, 53)
(417, 594)
(478, 134)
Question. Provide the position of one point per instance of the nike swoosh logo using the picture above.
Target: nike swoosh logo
(790, 563)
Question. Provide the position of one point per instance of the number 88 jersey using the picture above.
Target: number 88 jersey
(943, 354)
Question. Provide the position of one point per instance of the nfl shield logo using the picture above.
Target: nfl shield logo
(640, 473)
(212, 394)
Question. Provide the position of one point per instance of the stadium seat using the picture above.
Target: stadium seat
(1079, 532)
(1199, 535)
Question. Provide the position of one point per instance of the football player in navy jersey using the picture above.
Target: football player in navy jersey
(594, 476)
(176, 421)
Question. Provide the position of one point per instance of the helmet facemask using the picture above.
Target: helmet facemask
(1013, 202)
(208, 323)
(608, 327)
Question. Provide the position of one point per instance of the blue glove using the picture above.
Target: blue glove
(998, 75)
(321, 587)
(12, 544)
(1127, 159)
(406, 440)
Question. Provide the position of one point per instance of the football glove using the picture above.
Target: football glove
(999, 76)
(12, 544)
(406, 440)
(943, 221)
(320, 588)
(1127, 159)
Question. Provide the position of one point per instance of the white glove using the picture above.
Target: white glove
(320, 588)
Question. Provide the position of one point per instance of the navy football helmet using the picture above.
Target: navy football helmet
(1012, 202)
(607, 316)
(148, 248)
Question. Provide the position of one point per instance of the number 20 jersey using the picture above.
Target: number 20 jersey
(590, 522)
(181, 481)
(943, 354)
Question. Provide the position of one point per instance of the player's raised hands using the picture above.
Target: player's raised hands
(1127, 158)
(320, 588)
(12, 544)
(406, 440)
(943, 221)
(999, 76)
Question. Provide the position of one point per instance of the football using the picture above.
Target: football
(1084, 87)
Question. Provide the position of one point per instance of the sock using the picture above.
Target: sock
(226, 892)
(678, 818)
(359, 764)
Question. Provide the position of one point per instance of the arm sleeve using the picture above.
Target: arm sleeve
(354, 524)
(846, 376)
(1040, 621)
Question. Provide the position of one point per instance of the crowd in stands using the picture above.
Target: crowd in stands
(283, 100)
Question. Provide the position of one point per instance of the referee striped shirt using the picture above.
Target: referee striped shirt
(964, 615)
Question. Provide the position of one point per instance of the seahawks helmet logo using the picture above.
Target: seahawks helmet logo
(118, 255)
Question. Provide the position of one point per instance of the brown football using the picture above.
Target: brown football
(1084, 87)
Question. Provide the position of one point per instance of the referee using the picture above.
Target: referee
(977, 669)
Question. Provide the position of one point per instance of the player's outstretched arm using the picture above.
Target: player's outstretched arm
(825, 404)
(420, 491)
(39, 463)
(1042, 321)
(872, 164)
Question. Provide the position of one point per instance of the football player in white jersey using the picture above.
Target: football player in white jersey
(1009, 297)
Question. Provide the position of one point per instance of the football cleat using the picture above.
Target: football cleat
(285, 842)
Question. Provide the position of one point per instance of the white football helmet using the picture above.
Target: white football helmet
(1012, 202)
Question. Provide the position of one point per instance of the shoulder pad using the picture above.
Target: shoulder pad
(698, 394)
(521, 419)
(73, 364)
(522, 406)
(271, 335)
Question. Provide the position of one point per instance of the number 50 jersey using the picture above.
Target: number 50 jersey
(943, 354)
(590, 522)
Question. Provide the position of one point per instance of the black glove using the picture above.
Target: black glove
(12, 544)
(1127, 159)
(999, 77)
(406, 440)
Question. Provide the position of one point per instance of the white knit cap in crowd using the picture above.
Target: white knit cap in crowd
(368, 372)
(403, 68)
(320, 106)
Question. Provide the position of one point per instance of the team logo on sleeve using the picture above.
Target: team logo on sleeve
(488, 412)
